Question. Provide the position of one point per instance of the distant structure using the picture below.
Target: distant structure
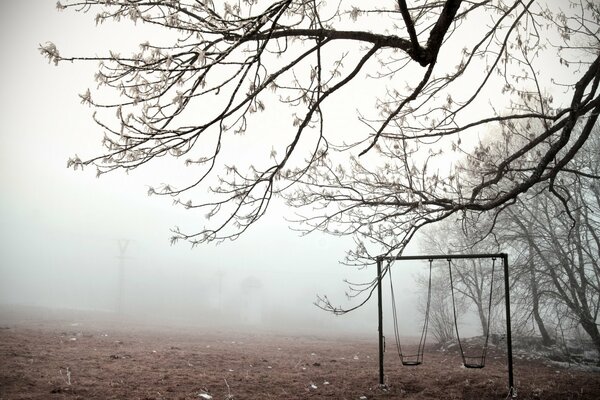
(123, 245)
(252, 306)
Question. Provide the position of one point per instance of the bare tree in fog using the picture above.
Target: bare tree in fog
(428, 69)
(473, 279)
(565, 243)
(529, 289)
(441, 317)
(554, 239)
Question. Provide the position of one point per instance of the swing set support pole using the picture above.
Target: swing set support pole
(380, 320)
(511, 385)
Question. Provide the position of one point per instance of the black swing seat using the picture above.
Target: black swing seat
(411, 360)
(474, 362)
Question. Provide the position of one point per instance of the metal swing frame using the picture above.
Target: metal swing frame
(503, 256)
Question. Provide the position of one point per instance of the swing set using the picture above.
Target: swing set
(416, 358)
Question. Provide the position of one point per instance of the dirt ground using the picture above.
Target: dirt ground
(74, 358)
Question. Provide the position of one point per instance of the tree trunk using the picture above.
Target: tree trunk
(535, 300)
(482, 319)
(591, 329)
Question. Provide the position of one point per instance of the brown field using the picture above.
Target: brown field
(74, 358)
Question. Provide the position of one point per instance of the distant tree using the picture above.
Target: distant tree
(567, 247)
(441, 316)
(554, 237)
(472, 278)
(430, 76)
(519, 234)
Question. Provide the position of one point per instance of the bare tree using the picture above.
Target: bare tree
(428, 72)
(427, 167)
(557, 232)
(441, 317)
(528, 277)
(476, 281)
(567, 248)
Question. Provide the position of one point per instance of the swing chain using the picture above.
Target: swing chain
(481, 358)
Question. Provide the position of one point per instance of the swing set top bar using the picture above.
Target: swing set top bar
(442, 257)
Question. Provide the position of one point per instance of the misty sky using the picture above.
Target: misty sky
(60, 228)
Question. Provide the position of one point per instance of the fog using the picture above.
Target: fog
(63, 233)
(267, 287)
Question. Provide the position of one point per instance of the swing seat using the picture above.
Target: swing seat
(412, 360)
(474, 362)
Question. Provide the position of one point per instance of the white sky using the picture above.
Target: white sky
(59, 228)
